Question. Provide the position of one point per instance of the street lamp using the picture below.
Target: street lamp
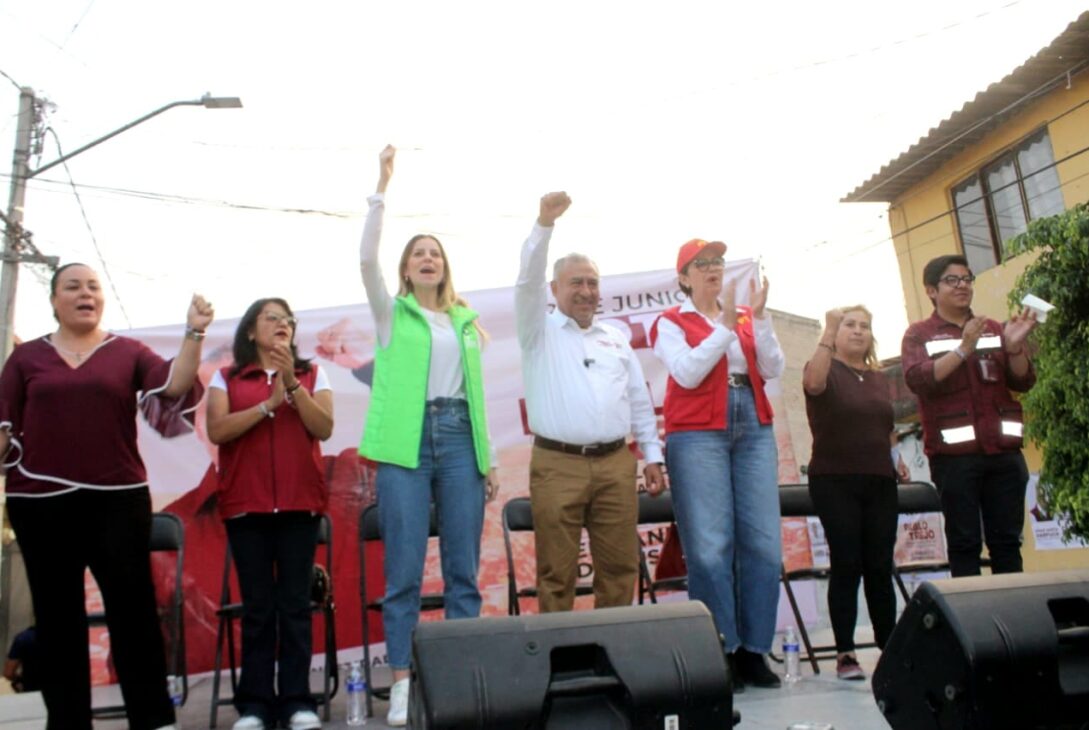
(21, 172)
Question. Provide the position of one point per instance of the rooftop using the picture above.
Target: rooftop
(1051, 67)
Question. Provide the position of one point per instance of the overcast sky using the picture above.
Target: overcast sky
(736, 121)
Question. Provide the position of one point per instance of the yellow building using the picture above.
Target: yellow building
(1016, 152)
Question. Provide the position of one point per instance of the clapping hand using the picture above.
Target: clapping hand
(1018, 329)
(759, 298)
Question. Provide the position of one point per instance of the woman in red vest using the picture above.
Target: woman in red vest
(267, 412)
(721, 453)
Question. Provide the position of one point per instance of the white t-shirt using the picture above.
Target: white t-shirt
(320, 383)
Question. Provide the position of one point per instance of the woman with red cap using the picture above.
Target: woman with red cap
(721, 453)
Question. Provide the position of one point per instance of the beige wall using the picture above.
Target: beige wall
(798, 337)
(931, 199)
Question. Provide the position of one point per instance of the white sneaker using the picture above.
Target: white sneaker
(304, 720)
(249, 722)
(398, 704)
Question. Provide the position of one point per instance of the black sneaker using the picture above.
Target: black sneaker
(753, 669)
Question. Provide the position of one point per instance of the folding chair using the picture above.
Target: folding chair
(518, 517)
(231, 611)
(370, 531)
(655, 511)
(916, 498)
(167, 535)
(794, 501)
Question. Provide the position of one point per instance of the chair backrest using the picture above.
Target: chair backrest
(167, 532)
(370, 528)
(655, 510)
(518, 515)
(794, 501)
(917, 497)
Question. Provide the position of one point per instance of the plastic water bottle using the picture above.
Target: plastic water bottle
(791, 661)
(357, 690)
(174, 689)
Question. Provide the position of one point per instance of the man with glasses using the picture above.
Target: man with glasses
(585, 393)
(962, 368)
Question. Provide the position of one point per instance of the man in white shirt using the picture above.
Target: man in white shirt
(585, 393)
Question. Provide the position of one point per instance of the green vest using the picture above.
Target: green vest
(395, 416)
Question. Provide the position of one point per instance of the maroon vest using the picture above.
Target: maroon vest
(276, 466)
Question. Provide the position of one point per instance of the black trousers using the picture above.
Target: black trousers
(108, 532)
(987, 489)
(859, 515)
(274, 557)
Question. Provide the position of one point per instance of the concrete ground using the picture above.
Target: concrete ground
(823, 698)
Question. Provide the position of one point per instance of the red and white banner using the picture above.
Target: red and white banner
(341, 340)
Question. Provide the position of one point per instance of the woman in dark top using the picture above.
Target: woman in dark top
(852, 479)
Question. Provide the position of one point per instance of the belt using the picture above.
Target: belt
(587, 450)
(739, 380)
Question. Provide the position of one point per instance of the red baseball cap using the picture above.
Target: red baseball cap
(692, 249)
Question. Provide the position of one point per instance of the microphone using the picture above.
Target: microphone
(587, 362)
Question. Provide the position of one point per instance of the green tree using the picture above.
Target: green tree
(1058, 405)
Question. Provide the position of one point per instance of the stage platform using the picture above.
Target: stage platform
(846, 705)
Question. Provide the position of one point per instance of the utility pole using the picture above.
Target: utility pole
(18, 247)
(13, 242)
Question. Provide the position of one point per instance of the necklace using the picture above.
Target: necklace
(77, 356)
(860, 374)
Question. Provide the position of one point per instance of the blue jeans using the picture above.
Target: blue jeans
(448, 474)
(725, 488)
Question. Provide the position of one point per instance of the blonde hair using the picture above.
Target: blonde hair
(871, 353)
(447, 295)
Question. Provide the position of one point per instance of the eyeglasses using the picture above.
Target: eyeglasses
(955, 281)
(275, 319)
(714, 261)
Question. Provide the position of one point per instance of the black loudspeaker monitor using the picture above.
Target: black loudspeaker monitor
(1004, 651)
(657, 666)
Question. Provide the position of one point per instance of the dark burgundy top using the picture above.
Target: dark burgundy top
(75, 428)
(851, 422)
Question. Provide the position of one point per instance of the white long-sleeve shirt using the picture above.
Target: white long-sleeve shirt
(690, 365)
(583, 386)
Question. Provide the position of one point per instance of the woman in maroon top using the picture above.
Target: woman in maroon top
(77, 492)
(267, 412)
(851, 476)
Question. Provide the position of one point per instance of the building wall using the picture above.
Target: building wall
(930, 201)
(798, 337)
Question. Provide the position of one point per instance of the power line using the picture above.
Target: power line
(90, 230)
(13, 81)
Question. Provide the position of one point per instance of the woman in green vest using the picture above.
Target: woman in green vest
(427, 429)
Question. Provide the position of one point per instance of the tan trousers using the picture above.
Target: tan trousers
(568, 493)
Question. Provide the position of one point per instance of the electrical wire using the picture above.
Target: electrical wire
(13, 81)
(90, 230)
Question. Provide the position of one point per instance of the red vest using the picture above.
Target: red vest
(276, 466)
(704, 407)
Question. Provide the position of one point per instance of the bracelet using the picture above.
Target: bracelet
(827, 347)
(959, 353)
(265, 411)
(293, 388)
(191, 333)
